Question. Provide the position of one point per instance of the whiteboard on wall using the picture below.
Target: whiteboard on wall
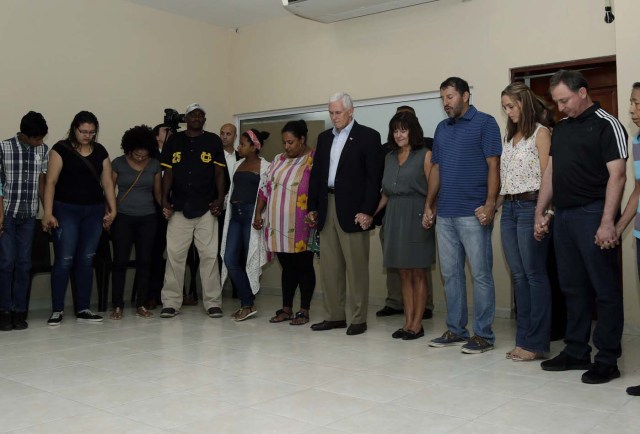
(375, 113)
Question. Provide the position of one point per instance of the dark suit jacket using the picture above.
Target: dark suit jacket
(358, 178)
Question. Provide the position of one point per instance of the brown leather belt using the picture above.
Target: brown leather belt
(332, 190)
(529, 195)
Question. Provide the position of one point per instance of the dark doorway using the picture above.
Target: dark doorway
(600, 72)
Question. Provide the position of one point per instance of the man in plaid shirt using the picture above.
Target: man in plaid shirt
(23, 165)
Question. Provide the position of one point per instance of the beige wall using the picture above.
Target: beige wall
(123, 62)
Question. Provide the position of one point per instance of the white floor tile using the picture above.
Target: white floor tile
(196, 374)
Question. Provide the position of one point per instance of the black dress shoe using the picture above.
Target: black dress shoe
(599, 373)
(428, 314)
(388, 311)
(20, 321)
(6, 324)
(633, 390)
(357, 329)
(398, 334)
(328, 325)
(564, 362)
(410, 335)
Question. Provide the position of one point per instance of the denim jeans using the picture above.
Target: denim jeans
(527, 259)
(235, 255)
(126, 231)
(15, 262)
(460, 237)
(584, 270)
(74, 242)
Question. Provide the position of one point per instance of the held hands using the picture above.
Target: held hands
(541, 226)
(606, 237)
(49, 222)
(311, 219)
(107, 220)
(428, 218)
(215, 207)
(257, 222)
(364, 220)
(485, 214)
(167, 210)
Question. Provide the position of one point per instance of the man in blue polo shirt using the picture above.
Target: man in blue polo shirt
(466, 180)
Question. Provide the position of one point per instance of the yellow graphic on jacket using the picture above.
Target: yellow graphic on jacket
(205, 157)
(176, 157)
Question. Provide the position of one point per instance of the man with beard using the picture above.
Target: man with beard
(466, 180)
(193, 191)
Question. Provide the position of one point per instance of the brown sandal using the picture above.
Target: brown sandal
(142, 312)
(116, 314)
(281, 316)
(301, 318)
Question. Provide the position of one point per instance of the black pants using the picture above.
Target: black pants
(297, 270)
(584, 271)
(125, 232)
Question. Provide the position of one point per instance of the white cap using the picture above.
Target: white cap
(192, 107)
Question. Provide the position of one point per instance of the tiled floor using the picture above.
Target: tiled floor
(192, 374)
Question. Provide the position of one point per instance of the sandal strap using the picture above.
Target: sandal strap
(301, 314)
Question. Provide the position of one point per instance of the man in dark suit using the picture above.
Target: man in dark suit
(344, 190)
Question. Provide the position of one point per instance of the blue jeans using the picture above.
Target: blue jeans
(74, 243)
(15, 262)
(584, 270)
(460, 237)
(235, 255)
(527, 259)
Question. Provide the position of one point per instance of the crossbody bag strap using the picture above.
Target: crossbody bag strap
(87, 163)
(131, 187)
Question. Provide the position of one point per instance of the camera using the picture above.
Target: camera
(172, 119)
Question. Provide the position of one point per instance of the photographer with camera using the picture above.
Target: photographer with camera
(193, 191)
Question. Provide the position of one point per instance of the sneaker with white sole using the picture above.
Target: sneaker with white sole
(447, 339)
(55, 319)
(87, 316)
(245, 313)
(477, 345)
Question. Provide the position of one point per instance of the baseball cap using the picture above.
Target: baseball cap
(192, 107)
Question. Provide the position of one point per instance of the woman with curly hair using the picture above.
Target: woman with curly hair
(138, 179)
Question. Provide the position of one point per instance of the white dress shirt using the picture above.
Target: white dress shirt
(339, 140)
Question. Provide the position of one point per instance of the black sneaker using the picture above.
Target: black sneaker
(87, 316)
(599, 373)
(6, 324)
(55, 319)
(20, 321)
(216, 312)
(564, 362)
(168, 312)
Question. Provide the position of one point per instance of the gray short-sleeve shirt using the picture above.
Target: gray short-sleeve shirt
(139, 201)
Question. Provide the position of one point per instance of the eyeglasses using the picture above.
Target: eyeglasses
(86, 133)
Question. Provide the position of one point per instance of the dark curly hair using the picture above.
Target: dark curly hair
(138, 137)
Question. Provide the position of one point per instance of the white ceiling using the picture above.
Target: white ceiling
(230, 14)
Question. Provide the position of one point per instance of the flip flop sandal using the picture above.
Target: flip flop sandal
(281, 316)
(301, 318)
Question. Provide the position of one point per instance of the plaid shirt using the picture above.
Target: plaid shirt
(20, 169)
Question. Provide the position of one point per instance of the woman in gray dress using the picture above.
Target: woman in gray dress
(408, 246)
